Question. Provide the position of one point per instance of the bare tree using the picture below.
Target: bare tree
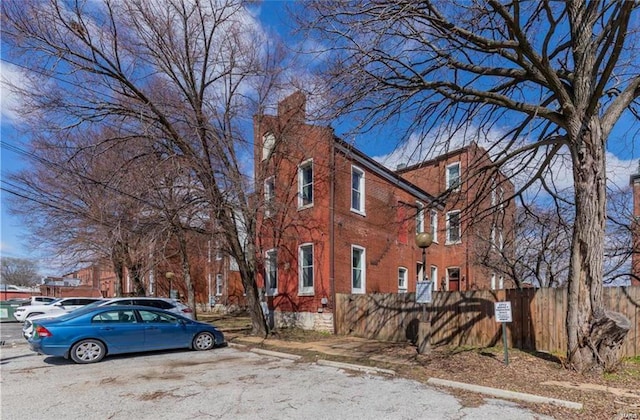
(19, 271)
(536, 254)
(541, 243)
(85, 202)
(619, 246)
(185, 75)
(552, 78)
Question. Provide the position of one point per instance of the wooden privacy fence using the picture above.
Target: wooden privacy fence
(467, 318)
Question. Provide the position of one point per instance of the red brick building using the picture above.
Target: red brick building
(336, 221)
(635, 229)
(476, 223)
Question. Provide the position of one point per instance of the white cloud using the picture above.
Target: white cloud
(10, 75)
(619, 171)
(418, 149)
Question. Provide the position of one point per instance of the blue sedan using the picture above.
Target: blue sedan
(88, 335)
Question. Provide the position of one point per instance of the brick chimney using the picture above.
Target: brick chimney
(293, 108)
(635, 228)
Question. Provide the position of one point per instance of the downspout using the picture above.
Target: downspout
(467, 242)
(332, 267)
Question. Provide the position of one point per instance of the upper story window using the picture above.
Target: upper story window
(402, 280)
(434, 276)
(305, 262)
(420, 217)
(271, 272)
(269, 196)
(497, 196)
(497, 237)
(305, 184)
(434, 225)
(357, 190)
(268, 143)
(453, 227)
(358, 271)
(453, 176)
(219, 284)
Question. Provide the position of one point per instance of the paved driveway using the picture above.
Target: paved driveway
(225, 383)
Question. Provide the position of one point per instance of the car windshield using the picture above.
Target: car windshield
(94, 304)
(53, 301)
(80, 311)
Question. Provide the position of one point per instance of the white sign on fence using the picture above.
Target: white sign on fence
(423, 291)
(503, 311)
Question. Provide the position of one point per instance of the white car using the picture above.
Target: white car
(170, 305)
(58, 306)
(41, 300)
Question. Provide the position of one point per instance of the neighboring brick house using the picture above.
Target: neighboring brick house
(215, 277)
(635, 229)
(476, 223)
(336, 221)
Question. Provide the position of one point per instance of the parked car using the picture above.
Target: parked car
(167, 304)
(89, 334)
(61, 305)
(171, 305)
(41, 300)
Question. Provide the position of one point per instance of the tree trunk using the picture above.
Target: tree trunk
(594, 335)
(118, 267)
(247, 267)
(186, 272)
(136, 276)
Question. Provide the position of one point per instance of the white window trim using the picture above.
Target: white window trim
(301, 166)
(361, 189)
(433, 220)
(306, 291)
(219, 285)
(405, 277)
(434, 277)
(448, 179)
(267, 266)
(459, 240)
(363, 287)
(269, 196)
(419, 271)
(497, 237)
(268, 143)
(420, 217)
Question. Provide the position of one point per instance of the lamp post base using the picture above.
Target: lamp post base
(424, 337)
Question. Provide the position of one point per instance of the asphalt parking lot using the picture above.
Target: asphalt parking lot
(225, 383)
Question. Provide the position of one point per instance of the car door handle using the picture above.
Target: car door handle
(106, 328)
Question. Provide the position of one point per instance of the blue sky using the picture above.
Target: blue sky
(624, 144)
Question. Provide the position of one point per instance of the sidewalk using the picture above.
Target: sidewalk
(338, 347)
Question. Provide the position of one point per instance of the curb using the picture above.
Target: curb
(322, 362)
(367, 369)
(277, 354)
(505, 394)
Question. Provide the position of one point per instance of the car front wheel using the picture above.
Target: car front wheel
(88, 351)
(204, 341)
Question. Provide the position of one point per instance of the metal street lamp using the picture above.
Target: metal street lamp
(169, 275)
(423, 294)
(424, 241)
